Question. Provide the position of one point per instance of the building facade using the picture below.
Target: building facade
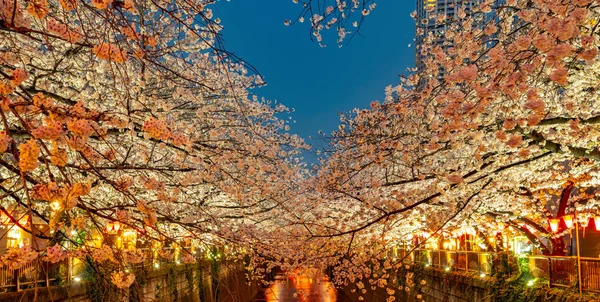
(428, 14)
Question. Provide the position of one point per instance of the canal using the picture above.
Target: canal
(301, 288)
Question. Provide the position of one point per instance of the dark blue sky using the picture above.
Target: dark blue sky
(319, 82)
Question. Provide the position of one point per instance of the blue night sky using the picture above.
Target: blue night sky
(319, 83)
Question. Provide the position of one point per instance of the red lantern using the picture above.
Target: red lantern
(568, 221)
(109, 227)
(554, 224)
(584, 221)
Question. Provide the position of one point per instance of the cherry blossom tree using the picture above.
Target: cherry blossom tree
(501, 121)
(131, 113)
(345, 17)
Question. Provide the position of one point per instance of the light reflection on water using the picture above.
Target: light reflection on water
(301, 288)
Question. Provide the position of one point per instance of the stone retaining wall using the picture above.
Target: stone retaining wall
(181, 283)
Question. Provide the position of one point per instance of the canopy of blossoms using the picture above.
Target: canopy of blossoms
(497, 132)
(130, 114)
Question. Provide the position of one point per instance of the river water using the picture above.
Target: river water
(301, 288)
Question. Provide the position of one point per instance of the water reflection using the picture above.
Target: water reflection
(305, 287)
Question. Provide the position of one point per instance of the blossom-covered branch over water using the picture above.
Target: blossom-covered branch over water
(131, 116)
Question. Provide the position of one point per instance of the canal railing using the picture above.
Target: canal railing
(43, 273)
(557, 271)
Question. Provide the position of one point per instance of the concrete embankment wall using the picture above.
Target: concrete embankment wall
(444, 286)
(176, 283)
(437, 289)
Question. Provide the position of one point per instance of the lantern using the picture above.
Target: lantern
(584, 221)
(554, 224)
(597, 222)
(113, 227)
(568, 221)
(110, 226)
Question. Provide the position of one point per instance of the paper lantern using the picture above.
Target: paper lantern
(554, 224)
(568, 219)
(110, 226)
(584, 221)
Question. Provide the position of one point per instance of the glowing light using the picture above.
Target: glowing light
(110, 226)
(584, 221)
(156, 265)
(113, 227)
(597, 222)
(55, 205)
(554, 224)
(568, 219)
(447, 268)
(14, 233)
(482, 275)
(530, 283)
(76, 279)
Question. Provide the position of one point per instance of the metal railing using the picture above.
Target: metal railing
(467, 261)
(559, 271)
(45, 273)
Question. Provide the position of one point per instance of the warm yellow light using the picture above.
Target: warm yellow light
(55, 205)
(597, 222)
(568, 219)
(14, 233)
(584, 221)
(554, 224)
(110, 226)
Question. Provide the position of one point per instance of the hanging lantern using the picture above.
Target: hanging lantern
(597, 222)
(554, 224)
(584, 221)
(117, 226)
(568, 219)
(110, 226)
